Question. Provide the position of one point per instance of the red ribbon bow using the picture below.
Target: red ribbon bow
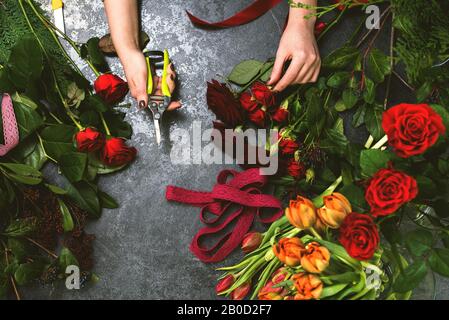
(243, 191)
(252, 12)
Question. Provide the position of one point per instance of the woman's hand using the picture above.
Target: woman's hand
(298, 45)
(135, 67)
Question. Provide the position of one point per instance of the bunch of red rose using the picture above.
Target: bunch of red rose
(113, 151)
(260, 103)
(289, 151)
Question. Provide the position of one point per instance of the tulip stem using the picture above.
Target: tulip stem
(315, 233)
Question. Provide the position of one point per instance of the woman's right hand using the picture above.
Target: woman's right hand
(136, 73)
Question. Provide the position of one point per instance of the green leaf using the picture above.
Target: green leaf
(73, 165)
(349, 99)
(85, 195)
(266, 71)
(118, 126)
(338, 79)
(107, 201)
(94, 102)
(28, 120)
(23, 173)
(19, 248)
(373, 121)
(75, 95)
(369, 95)
(329, 291)
(357, 196)
(95, 55)
(378, 66)
(245, 71)
(21, 227)
(443, 113)
(27, 272)
(66, 258)
(56, 190)
(427, 187)
(24, 100)
(439, 261)
(411, 278)
(341, 58)
(358, 118)
(58, 140)
(424, 91)
(25, 62)
(67, 221)
(373, 160)
(419, 242)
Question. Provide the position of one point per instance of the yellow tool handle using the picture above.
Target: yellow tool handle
(150, 77)
(56, 4)
(165, 89)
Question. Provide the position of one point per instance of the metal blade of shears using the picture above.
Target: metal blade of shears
(58, 14)
(157, 129)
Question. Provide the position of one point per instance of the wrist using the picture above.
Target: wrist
(301, 20)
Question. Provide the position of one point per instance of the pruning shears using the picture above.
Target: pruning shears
(158, 103)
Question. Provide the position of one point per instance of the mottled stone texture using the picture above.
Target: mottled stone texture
(141, 250)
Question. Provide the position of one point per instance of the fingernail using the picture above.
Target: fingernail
(142, 104)
(171, 67)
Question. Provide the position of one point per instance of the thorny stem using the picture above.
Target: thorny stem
(362, 40)
(13, 282)
(37, 244)
(105, 125)
(332, 24)
(397, 75)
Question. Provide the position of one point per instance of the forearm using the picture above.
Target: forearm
(123, 24)
(297, 16)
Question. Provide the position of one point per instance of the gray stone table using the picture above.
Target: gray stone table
(141, 251)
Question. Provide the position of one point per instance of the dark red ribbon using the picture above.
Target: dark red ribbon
(257, 9)
(242, 191)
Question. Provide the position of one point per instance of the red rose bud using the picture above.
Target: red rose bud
(319, 28)
(111, 88)
(116, 153)
(296, 169)
(251, 241)
(263, 94)
(248, 102)
(412, 128)
(280, 115)
(222, 102)
(359, 236)
(89, 140)
(288, 145)
(224, 284)
(388, 190)
(241, 292)
(258, 117)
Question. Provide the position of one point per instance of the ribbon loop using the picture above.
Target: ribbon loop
(10, 129)
(241, 190)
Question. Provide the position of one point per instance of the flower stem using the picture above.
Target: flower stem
(105, 125)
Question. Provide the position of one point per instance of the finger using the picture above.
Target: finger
(316, 74)
(308, 69)
(290, 75)
(307, 77)
(277, 69)
(174, 105)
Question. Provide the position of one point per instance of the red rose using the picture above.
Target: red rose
(288, 145)
(296, 169)
(222, 102)
(359, 236)
(89, 140)
(111, 88)
(412, 128)
(263, 94)
(388, 190)
(248, 102)
(258, 117)
(280, 115)
(116, 153)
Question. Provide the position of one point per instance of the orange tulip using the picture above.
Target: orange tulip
(308, 286)
(301, 213)
(315, 258)
(336, 208)
(289, 251)
(270, 292)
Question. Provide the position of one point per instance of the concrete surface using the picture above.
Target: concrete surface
(141, 250)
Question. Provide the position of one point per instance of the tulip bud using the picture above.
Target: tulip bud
(289, 251)
(251, 241)
(310, 175)
(336, 208)
(224, 284)
(308, 286)
(272, 292)
(315, 258)
(241, 292)
(301, 213)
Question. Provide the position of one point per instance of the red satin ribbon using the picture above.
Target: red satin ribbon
(242, 191)
(255, 10)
